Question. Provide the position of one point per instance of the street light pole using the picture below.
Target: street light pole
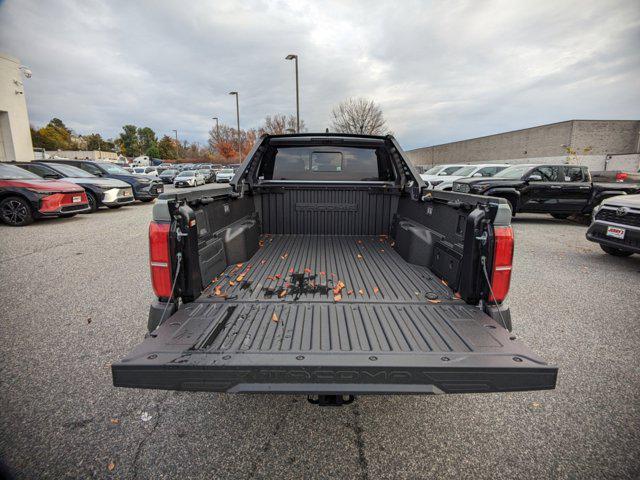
(295, 57)
(238, 119)
(177, 144)
(217, 129)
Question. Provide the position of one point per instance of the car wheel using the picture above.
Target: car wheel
(93, 202)
(560, 216)
(616, 252)
(16, 211)
(146, 200)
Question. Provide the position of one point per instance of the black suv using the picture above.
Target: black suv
(144, 189)
(560, 190)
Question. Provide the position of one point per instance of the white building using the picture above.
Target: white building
(83, 154)
(15, 137)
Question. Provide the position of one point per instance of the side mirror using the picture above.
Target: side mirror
(477, 174)
(534, 178)
(51, 176)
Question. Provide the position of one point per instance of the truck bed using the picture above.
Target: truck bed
(274, 324)
(371, 270)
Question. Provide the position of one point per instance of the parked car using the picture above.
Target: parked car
(434, 173)
(147, 171)
(445, 182)
(560, 190)
(168, 175)
(295, 283)
(615, 176)
(109, 192)
(145, 189)
(208, 174)
(225, 175)
(24, 197)
(188, 178)
(615, 225)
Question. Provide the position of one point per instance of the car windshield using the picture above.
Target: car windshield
(464, 171)
(11, 172)
(71, 171)
(114, 169)
(226, 170)
(433, 170)
(187, 173)
(169, 172)
(203, 170)
(514, 172)
(450, 170)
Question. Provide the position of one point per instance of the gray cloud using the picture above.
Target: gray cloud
(441, 71)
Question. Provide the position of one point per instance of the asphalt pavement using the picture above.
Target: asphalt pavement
(75, 295)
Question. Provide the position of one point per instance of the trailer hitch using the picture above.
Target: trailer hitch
(330, 400)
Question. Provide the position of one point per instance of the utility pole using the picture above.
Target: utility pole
(295, 57)
(238, 119)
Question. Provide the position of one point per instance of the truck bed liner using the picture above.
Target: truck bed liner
(369, 267)
(247, 337)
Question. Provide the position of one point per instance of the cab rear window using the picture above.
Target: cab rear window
(326, 163)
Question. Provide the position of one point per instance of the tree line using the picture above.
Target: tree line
(354, 115)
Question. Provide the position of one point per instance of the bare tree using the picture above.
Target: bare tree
(280, 124)
(358, 115)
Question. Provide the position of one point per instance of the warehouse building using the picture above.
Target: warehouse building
(15, 137)
(600, 144)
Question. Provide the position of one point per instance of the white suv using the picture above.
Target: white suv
(445, 182)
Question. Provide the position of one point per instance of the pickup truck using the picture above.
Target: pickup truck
(560, 190)
(328, 269)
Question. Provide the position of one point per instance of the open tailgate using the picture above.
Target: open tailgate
(332, 348)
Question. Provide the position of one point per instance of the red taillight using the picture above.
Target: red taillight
(159, 259)
(621, 176)
(502, 262)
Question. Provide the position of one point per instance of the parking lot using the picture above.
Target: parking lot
(75, 297)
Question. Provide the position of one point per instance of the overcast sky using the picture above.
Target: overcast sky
(442, 71)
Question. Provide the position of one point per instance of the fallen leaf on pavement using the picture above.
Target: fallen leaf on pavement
(359, 257)
(434, 301)
(115, 421)
(274, 317)
(111, 466)
(240, 278)
(232, 283)
(278, 276)
(361, 291)
(376, 290)
(89, 320)
(337, 297)
(350, 292)
(282, 293)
